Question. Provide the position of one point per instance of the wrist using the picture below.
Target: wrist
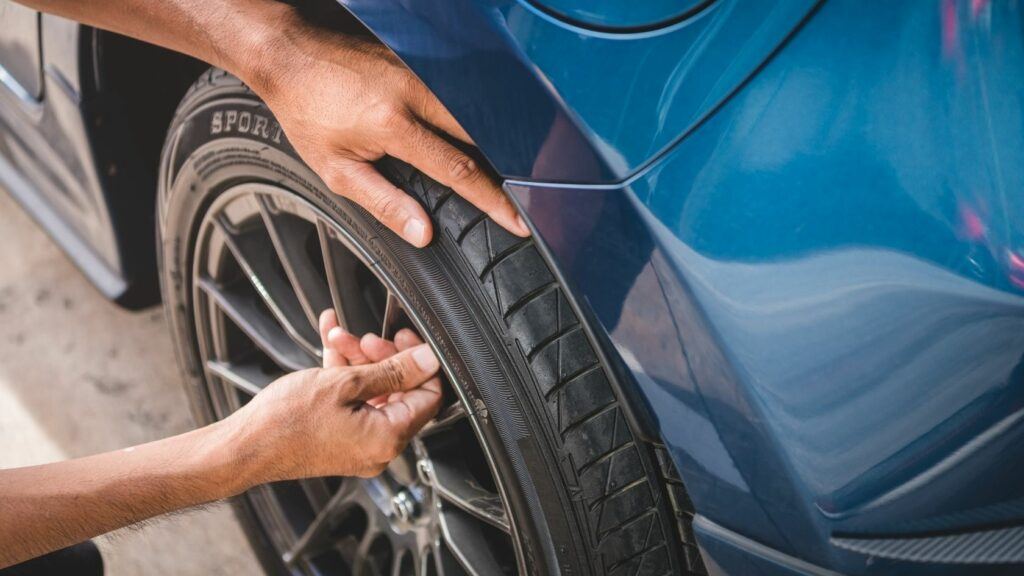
(275, 50)
(233, 460)
(256, 47)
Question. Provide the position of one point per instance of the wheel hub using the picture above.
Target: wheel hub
(404, 508)
(404, 498)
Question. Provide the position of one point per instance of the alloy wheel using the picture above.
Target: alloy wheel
(265, 264)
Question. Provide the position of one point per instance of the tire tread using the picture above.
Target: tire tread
(629, 487)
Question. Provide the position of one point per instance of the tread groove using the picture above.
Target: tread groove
(603, 534)
(529, 297)
(547, 340)
(503, 256)
(609, 495)
(569, 379)
(590, 416)
(470, 226)
(605, 456)
(440, 203)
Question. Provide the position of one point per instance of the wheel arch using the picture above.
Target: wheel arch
(129, 91)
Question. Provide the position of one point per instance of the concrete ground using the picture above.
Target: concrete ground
(78, 375)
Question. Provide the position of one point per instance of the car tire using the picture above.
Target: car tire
(585, 494)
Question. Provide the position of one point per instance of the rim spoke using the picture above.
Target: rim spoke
(316, 538)
(246, 377)
(392, 308)
(362, 557)
(342, 266)
(288, 235)
(423, 561)
(464, 541)
(396, 565)
(253, 252)
(327, 251)
(247, 313)
(445, 420)
(317, 491)
(445, 563)
(460, 489)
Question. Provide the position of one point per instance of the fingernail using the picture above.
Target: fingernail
(335, 333)
(424, 358)
(415, 232)
(522, 226)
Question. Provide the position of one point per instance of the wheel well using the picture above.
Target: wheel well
(130, 90)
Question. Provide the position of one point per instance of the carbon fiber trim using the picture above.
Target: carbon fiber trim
(1000, 546)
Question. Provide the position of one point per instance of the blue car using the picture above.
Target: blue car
(770, 320)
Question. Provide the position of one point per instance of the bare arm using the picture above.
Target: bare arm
(311, 423)
(342, 101)
(54, 505)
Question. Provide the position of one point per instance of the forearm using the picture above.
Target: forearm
(231, 34)
(43, 508)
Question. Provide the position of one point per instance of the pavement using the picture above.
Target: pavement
(78, 375)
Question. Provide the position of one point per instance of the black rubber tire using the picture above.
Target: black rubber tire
(589, 497)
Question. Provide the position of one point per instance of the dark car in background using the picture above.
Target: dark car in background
(770, 319)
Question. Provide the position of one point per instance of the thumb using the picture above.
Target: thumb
(403, 371)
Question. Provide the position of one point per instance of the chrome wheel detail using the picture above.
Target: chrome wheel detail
(265, 264)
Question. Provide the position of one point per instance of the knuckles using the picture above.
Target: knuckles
(389, 117)
(386, 207)
(389, 377)
(336, 179)
(460, 167)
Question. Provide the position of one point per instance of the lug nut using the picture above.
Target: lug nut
(403, 506)
(425, 471)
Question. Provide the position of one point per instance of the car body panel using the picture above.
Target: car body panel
(20, 55)
(839, 253)
(621, 15)
(46, 157)
(549, 101)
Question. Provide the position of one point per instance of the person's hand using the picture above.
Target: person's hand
(346, 419)
(342, 348)
(345, 102)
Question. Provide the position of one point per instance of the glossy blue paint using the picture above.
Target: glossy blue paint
(617, 15)
(726, 552)
(549, 101)
(839, 249)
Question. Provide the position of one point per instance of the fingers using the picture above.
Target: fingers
(414, 409)
(346, 344)
(406, 338)
(332, 357)
(360, 182)
(452, 167)
(403, 371)
(428, 108)
(377, 348)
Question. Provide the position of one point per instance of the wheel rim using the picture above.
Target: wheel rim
(266, 262)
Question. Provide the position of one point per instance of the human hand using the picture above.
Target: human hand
(345, 102)
(342, 348)
(350, 418)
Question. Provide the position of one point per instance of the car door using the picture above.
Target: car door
(20, 63)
